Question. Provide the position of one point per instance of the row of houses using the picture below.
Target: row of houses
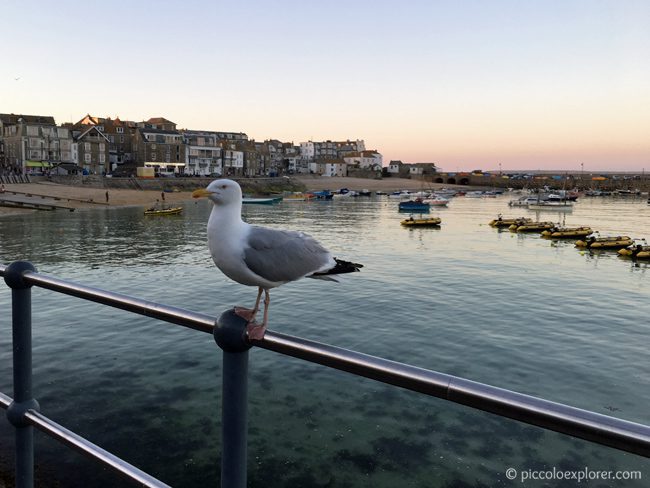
(94, 145)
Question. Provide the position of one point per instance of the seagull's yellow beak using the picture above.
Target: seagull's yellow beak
(201, 193)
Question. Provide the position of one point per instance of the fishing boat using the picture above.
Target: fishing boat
(365, 193)
(567, 232)
(414, 206)
(501, 222)
(531, 226)
(163, 211)
(636, 251)
(605, 242)
(421, 222)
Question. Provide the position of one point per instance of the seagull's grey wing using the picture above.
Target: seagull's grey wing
(281, 256)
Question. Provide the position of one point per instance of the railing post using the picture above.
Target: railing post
(21, 310)
(230, 335)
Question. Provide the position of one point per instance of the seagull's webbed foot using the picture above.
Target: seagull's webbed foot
(255, 331)
(247, 314)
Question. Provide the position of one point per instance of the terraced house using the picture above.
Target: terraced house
(90, 150)
(161, 149)
(120, 136)
(203, 153)
(33, 143)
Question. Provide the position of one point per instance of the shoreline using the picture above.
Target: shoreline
(118, 198)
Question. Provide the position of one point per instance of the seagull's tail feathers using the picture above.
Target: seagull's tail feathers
(340, 267)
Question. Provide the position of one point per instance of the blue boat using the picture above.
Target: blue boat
(323, 195)
(414, 206)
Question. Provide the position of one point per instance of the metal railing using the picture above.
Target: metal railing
(230, 334)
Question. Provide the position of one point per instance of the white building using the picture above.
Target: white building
(394, 167)
(203, 154)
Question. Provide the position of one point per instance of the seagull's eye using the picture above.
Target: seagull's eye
(224, 186)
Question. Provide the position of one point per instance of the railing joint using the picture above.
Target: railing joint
(17, 412)
(14, 274)
(230, 332)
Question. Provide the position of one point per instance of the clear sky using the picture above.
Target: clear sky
(529, 84)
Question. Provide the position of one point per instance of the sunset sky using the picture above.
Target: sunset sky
(464, 84)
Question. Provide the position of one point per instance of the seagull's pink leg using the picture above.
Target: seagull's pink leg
(257, 331)
(247, 313)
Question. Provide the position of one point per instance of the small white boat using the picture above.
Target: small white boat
(523, 202)
(437, 201)
(474, 194)
(404, 194)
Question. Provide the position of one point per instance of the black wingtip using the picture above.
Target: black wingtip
(341, 267)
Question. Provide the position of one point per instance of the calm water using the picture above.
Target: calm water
(515, 311)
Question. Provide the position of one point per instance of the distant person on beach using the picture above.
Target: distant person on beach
(162, 195)
(107, 196)
(2, 188)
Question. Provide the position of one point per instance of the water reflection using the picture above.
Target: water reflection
(512, 310)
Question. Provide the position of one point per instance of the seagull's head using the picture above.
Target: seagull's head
(221, 192)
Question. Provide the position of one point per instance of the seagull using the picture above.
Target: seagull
(259, 256)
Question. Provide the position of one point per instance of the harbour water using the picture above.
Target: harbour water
(516, 311)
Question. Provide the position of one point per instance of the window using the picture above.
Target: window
(121, 138)
(102, 146)
(119, 130)
(153, 156)
(111, 138)
(153, 147)
(86, 146)
(102, 158)
(87, 158)
(100, 128)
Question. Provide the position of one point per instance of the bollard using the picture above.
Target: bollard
(230, 335)
(21, 311)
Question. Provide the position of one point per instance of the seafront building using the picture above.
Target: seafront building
(35, 144)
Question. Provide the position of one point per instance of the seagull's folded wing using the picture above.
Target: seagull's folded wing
(282, 256)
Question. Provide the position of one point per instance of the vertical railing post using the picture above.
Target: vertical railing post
(230, 335)
(21, 311)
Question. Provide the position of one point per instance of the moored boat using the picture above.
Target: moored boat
(414, 206)
(321, 195)
(636, 251)
(436, 201)
(163, 211)
(567, 232)
(523, 201)
(531, 226)
(421, 222)
(605, 242)
(501, 222)
(297, 196)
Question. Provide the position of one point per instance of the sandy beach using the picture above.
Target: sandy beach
(120, 198)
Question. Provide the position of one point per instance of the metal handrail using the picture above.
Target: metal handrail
(84, 446)
(602, 429)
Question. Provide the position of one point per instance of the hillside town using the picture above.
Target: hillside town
(36, 145)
